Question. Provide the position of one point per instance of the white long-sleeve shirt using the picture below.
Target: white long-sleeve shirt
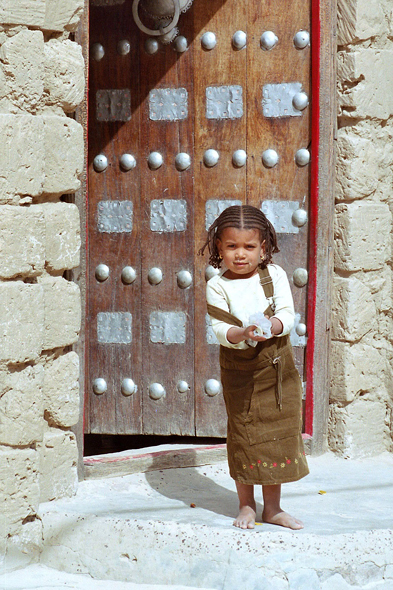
(244, 297)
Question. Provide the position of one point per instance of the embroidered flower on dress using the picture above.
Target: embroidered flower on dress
(282, 464)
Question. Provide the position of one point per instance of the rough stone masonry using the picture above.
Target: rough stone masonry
(42, 157)
(361, 368)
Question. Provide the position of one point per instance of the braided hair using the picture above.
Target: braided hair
(241, 217)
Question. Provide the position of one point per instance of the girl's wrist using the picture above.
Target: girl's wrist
(277, 326)
(236, 335)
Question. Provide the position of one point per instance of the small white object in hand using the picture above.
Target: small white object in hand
(264, 326)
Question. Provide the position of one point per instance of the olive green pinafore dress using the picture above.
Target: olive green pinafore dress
(263, 398)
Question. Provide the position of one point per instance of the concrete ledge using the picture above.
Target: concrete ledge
(127, 462)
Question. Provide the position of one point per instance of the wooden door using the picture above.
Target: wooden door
(152, 357)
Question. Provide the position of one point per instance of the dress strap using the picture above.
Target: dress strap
(266, 281)
(223, 316)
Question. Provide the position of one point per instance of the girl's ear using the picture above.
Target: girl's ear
(219, 245)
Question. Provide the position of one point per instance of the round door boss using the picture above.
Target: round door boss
(128, 387)
(156, 391)
(184, 279)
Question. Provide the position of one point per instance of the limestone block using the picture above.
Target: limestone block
(22, 241)
(53, 15)
(380, 285)
(19, 489)
(22, 66)
(62, 235)
(58, 465)
(385, 330)
(64, 153)
(359, 430)
(63, 15)
(21, 156)
(362, 236)
(28, 12)
(304, 579)
(21, 321)
(25, 546)
(365, 83)
(359, 19)
(21, 406)
(64, 74)
(353, 309)
(62, 312)
(61, 390)
(355, 370)
(357, 166)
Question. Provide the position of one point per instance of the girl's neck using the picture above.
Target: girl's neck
(228, 274)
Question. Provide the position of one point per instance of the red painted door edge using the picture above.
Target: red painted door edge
(313, 210)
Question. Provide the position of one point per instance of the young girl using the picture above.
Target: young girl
(261, 386)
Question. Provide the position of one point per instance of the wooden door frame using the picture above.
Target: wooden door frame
(323, 135)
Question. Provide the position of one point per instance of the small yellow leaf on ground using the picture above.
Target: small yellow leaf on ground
(321, 492)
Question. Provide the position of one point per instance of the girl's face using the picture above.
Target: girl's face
(241, 251)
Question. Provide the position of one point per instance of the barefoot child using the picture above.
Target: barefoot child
(262, 388)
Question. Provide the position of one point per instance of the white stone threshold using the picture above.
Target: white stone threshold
(141, 529)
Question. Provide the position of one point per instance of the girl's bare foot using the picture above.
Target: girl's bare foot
(247, 506)
(272, 511)
(245, 518)
(283, 519)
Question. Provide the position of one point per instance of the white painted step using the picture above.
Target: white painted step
(141, 528)
(45, 578)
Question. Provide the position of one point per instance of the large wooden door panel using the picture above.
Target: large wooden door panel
(112, 411)
(168, 247)
(211, 99)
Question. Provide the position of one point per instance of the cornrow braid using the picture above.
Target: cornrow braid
(241, 217)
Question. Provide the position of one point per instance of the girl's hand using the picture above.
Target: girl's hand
(236, 335)
(249, 334)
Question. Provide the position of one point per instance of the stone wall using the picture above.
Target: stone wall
(362, 328)
(42, 157)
